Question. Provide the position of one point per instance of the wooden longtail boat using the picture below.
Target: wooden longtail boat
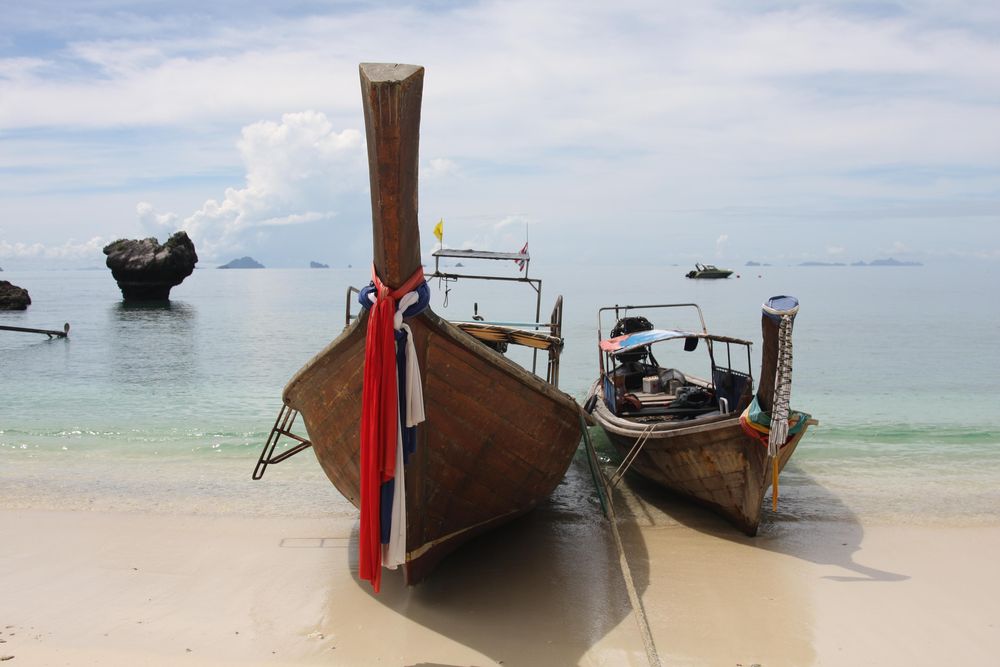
(497, 439)
(684, 432)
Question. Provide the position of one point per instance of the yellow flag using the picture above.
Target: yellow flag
(439, 230)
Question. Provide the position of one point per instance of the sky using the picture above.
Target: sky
(646, 131)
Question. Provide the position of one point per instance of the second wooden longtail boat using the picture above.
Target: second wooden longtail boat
(496, 440)
(707, 438)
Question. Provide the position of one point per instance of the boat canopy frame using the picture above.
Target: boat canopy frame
(459, 253)
(529, 334)
(608, 355)
(487, 330)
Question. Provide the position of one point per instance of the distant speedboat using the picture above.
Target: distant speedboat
(708, 271)
(708, 438)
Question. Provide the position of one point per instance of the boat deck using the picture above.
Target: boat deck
(656, 407)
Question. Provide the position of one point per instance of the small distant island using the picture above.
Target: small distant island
(318, 265)
(875, 262)
(243, 263)
(753, 263)
(886, 262)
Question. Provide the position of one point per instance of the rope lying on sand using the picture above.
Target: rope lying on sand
(604, 493)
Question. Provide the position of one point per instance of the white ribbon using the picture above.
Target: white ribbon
(394, 553)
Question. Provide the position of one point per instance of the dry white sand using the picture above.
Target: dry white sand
(103, 588)
(82, 588)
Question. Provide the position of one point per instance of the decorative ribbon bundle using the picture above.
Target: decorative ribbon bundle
(391, 407)
(757, 424)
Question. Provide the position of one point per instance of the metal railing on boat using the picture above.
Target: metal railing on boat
(519, 333)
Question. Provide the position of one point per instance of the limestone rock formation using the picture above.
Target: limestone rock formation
(13, 297)
(146, 270)
(318, 265)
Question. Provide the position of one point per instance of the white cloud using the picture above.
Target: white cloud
(295, 172)
(439, 168)
(720, 245)
(725, 109)
(835, 250)
(156, 224)
(71, 250)
(519, 222)
(899, 248)
(14, 69)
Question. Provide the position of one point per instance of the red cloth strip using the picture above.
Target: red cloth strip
(379, 417)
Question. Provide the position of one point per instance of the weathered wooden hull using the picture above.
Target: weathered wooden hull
(713, 463)
(496, 442)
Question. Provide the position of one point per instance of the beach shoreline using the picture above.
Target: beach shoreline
(125, 588)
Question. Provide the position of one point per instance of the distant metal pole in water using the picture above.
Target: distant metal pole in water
(48, 332)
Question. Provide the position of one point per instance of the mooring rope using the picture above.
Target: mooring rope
(629, 459)
(609, 511)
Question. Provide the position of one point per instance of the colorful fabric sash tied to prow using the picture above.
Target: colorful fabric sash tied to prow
(391, 406)
(757, 424)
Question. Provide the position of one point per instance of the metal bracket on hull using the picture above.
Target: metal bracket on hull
(282, 427)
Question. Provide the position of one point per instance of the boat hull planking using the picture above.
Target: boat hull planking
(714, 464)
(496, 442)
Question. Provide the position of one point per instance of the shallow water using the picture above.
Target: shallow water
(168, 406)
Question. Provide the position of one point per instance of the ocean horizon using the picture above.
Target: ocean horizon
(167, 407)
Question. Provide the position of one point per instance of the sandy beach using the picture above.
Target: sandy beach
(155, 588)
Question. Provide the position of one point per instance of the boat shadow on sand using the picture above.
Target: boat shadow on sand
(811, 523)
(550, 578)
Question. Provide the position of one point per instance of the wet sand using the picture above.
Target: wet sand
(154, 588)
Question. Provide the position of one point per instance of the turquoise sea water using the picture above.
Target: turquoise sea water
(167, 407)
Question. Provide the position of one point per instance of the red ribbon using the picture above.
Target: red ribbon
(379, 417)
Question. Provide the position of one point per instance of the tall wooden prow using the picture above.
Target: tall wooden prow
(392, 99)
